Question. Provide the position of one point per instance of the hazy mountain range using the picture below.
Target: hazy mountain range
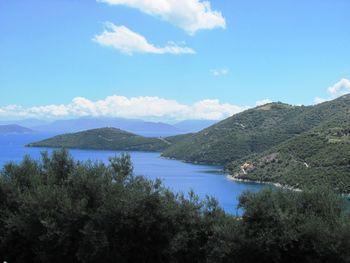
(136, 126)
(13, 128)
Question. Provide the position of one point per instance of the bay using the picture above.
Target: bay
(204, 180)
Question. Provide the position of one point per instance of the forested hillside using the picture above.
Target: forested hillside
(256, 130)
(319, 157)
(104, 139)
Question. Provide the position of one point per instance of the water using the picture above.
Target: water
(178, 176)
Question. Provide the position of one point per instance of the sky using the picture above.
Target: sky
(169, 59)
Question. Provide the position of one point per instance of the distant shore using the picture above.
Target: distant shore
(232, 178)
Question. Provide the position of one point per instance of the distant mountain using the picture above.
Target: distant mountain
(82, 124)
(29, 123)
(104, 139)
(140, 127)
(6, 129)
(190, 126)
(153, 129)
(137, 126)
(255, 131)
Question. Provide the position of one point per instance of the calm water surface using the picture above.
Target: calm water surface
(178, 176)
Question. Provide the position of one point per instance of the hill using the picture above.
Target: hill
(153, 129)
(240, 135)
(318, 157)
(191, 126)
(6, 129)
(28, 123)
(104, 139)
(255, 131)
(139, 127)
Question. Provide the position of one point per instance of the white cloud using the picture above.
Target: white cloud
(120, 106)
(219, 72)
(190, 15)
(340, 88)
(129, 42)
(213, 110)
(319, 100)
(263, 102)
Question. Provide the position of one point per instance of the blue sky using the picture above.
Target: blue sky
(290, 51)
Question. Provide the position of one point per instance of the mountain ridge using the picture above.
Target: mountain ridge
(14, 128)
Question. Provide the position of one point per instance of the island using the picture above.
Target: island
(14, 129)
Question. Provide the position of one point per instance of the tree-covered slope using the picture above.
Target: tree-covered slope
(256, 130)
(104, 139)
(321, 156)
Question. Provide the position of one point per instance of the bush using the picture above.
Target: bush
(61, 210)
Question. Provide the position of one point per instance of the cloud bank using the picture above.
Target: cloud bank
(129, 42)
(340, 88)
(319, 100)
(263, 102)
(190, 15)
(120, 106)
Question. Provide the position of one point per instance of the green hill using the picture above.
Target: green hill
(321, 156)
(104, 139)
(255, 131)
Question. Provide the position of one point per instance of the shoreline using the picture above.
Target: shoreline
(192, 162)
(230, 177)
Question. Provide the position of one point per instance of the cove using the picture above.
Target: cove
(176, 175)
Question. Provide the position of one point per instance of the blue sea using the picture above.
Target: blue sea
(178, 176)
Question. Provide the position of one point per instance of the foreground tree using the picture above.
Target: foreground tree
(61, 210)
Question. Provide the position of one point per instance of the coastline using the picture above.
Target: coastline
(232, 178)
(191, 162)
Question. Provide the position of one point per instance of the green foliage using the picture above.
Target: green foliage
(104, 139)
(122, 167)
(319, 157)
(284, 226)
(60, 210)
